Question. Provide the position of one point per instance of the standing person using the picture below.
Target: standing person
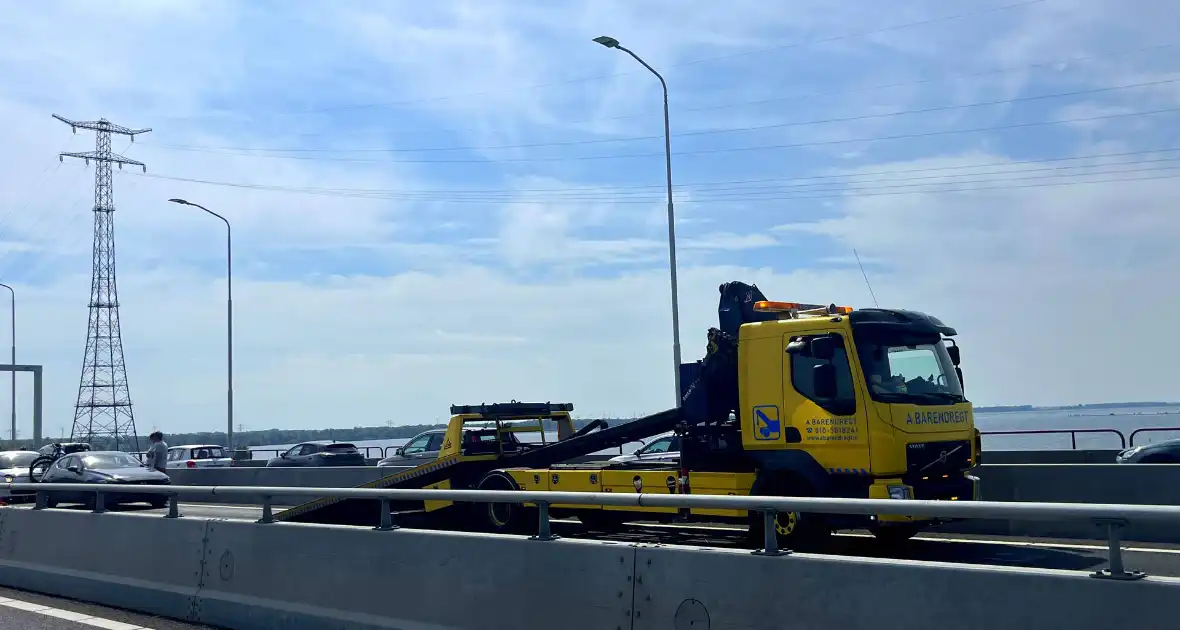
(156, 457)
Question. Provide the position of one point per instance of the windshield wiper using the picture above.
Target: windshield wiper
(909, 397)
(938, 396)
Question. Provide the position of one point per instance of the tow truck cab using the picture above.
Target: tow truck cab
(860, 403)
(804, 400)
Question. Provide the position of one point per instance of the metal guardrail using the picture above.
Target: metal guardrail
(1151, 430)
(1112, 516)
(1073, 434)
(382, 451)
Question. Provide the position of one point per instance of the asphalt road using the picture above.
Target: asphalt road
(20, 610)
(1077, 555)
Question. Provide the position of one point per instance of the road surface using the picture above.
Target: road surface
(20, 610)
(1078, 555)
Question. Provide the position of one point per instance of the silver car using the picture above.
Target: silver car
(14, 466)
(662, 449)
(422, 448)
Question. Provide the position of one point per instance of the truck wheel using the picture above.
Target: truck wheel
(894, 534)
(793, 530)
(504, 518)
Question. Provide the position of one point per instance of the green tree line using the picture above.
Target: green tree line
(248, 439)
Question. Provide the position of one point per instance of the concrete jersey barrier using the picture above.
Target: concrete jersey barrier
(1153, 484)
(1143, 484)
(259, 577)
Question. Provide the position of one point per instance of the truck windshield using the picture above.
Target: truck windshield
(916, 371)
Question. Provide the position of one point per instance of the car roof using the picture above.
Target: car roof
(89, 453)
(196, 446)
(1162, 443)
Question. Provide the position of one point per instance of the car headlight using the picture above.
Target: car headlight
(899, 493)
(8, 478)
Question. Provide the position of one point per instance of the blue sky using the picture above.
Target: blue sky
(464, 200)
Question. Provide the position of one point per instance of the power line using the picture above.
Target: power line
(927, 110)
(689, 185)
(885, 86)
(808, 95)
(843, 188)
(597, 77)
(796, 145)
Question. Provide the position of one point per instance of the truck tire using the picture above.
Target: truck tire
(793, 530)
(504, 518)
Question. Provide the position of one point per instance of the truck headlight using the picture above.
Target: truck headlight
(900, 493)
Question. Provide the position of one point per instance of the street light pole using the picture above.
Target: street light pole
(611, 42)
(229, 323)
(10, 290)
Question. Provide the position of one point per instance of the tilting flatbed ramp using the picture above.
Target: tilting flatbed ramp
(467, 473)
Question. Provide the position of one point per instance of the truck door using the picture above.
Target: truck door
(832, 423)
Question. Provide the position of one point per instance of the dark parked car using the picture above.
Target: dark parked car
(319, 454)
(1166, 452)
(104, 467)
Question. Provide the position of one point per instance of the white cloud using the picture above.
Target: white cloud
(361, 307)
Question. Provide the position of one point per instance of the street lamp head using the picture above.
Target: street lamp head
(180, 201)
(609, 42)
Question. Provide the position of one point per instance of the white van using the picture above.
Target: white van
(198, 456)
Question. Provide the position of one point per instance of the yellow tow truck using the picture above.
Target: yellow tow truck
(791, 399)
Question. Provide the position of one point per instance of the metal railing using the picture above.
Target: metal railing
(382, 451)
(1114, 517)
(1073, 434)
(1151, 430)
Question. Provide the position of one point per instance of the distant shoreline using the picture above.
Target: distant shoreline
(1114, 405)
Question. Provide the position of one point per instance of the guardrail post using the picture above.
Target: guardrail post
(1115, 554)
(173, 507)
(42, 500)
(267, 515)
(543, 530)
(770, 536)
(100, 502)
(387, 523)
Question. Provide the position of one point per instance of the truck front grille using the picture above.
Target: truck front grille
(937, 458)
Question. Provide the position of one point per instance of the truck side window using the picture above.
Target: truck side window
(802, 377)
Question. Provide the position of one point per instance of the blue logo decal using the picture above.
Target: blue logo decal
(767, 425)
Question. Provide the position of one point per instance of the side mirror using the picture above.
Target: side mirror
(954, 352)
(824, 380)
(283, 456)
(74, 469)
(823, 348)
(401, 450)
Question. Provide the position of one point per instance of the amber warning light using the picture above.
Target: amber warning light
(795, 308)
